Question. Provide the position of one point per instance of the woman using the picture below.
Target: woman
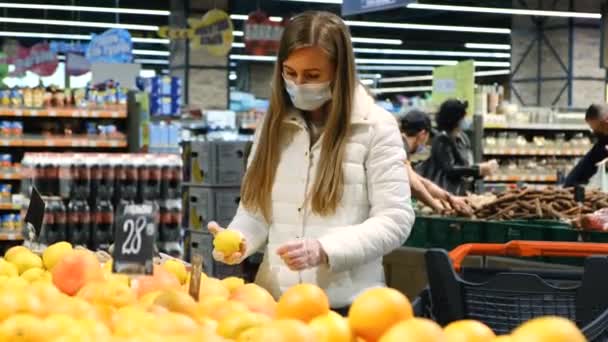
(324, 194)
(451, 163)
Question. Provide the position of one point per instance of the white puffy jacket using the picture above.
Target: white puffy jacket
(374, 217)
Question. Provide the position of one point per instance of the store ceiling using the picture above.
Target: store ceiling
(412, 39)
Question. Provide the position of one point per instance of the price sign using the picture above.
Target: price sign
(134, 238)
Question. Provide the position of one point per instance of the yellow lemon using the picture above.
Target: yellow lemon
(35, 274)
(13, 251)
(8, 269)
(233, 283)
(227, 241)
(178, 269)
(26, 260)
(54, 253)
(14, 284)
(177, 301)
(232, 326)
(21, 327)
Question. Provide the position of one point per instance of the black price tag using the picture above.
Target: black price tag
(579, 194)
(134, 239)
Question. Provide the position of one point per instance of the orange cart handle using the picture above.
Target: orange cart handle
(518, 248)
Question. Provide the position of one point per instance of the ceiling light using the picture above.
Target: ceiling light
(406, 79)
(232, 76)
(428, 27)
(238, 33)
(493, 73)
(492, 64)
(487, 46)
(151, 61)
(367, 82)
(253, 58)
(85, 9)
(512, 11)
(369, 75)
(78, 23)
(376, 41)
(150, 40)
(384, 61)
(238, 45)
(434, 53)
(73, 36)
(401, 90)
(393, 68)
(150, 52)
(336, 2)
(245, 17)
(147, 73)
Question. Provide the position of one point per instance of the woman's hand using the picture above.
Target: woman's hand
(232, 259)
(460, 205)
(488, 168)
(302, 254)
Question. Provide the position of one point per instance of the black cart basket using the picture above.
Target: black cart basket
(505, 298)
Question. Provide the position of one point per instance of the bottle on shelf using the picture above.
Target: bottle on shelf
(79, 222)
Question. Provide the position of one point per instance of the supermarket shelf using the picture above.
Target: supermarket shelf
(515, 179)
(119, 112)
(10, 235)
(15, 175)
(533, 152)
(9, 206)
(73, 141)
(540, 127)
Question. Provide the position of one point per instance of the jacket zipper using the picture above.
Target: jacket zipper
(306, 193)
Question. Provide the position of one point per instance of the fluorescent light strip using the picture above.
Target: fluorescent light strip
(151, 61)
(245, 17)
(238, 45)
(487, 46)
(73, 36)
(430, 77)
(511, 11)
(361, 40)
(78, 23)
(434, 53)
(393, 68)
(85, 9)
(369, 75)
(150, 53)
(367, 82)
(428, 27)
(401, 90)
(383, 61)
(336, 2)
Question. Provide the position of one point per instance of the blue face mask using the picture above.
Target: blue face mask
(465, 124)
(421, 148)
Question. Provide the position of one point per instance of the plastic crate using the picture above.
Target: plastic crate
(419, 234)
(447, 232)
(533, 230)
(503, 299)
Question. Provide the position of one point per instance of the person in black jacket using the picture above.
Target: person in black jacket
(451, 164)
(597, 119)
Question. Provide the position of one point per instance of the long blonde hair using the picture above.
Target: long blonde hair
(328, 32)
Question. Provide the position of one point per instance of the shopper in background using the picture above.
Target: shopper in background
(416, 128)
(451, 163)
(597, 119)
(325, 195)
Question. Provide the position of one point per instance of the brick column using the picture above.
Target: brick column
(556, 61)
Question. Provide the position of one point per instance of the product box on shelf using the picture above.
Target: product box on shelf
(220, 163)
(205, 204)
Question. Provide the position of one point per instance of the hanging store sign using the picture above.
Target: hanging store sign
(351, 7)
(112, 46)
(77, 65)
(262, 36)
(455, 82)
(213, 32)
(62, 47)
(38, 59)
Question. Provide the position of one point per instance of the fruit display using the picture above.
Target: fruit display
(70, 295)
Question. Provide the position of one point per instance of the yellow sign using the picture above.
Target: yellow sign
(212, 32)
(455, 82)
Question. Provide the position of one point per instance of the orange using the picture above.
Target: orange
(75, 270)
(176, 301)
(279, 331)
(212, 287)
(415, 329)
(503, 338)
(232, 326)
(256, 298)
(470, 330)
(377, 310)
(303, 302)
(331, 327)
(159, 281)
(228, 309)
(548, 329)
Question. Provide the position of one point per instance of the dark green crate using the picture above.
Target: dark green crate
(533, 230)
(448, 233)
(418, 236)
(595, 237)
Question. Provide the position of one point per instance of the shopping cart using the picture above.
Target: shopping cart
(505, 298)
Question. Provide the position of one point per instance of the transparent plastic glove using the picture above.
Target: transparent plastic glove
(302, 254)
(232, 259)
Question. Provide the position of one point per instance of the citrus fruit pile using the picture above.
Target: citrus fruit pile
(67, 295)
